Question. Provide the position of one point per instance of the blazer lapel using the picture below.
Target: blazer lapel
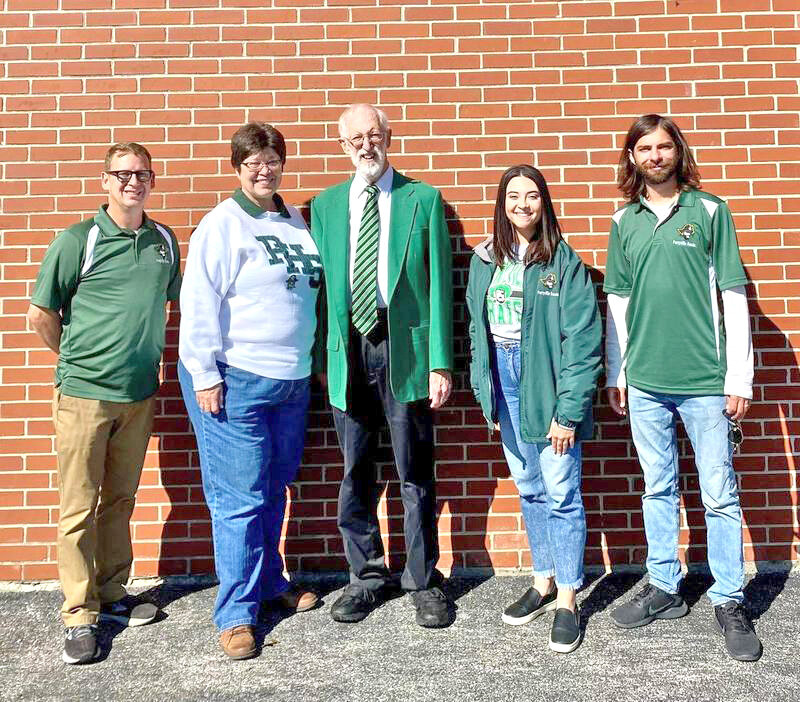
(403, 209)
(337, 243)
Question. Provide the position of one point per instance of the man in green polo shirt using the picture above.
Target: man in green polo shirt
(672, 255)
(100, 303)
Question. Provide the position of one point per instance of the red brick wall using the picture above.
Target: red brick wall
(471, 87)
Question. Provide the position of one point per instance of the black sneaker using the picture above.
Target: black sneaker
(740, 637)
(129, 611)
(354, 604)
(528, 607)
(648, 604)
(80, 644)
(565, 634)
(434, 608)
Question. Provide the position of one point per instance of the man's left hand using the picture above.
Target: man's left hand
(736, 406)
(440, 383)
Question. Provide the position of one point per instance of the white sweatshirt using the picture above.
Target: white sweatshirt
(249, 293)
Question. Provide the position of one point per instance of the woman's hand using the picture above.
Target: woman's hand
(561, 438)
(210, 400)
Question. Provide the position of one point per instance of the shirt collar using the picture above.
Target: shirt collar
(110, 228)
(384, 183)
(254, 210)
(685, 199)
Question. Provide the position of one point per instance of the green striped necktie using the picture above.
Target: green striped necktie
(365, 272)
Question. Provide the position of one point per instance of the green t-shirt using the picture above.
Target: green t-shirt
(111, 286)
(504, 301)
(672, 270)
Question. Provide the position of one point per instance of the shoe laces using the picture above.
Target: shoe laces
(362, 593)
(644, 594)
(81, 631)
(736, 617)
(433, 593)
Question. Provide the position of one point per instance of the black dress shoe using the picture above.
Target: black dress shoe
(434, 608)
(354, 604)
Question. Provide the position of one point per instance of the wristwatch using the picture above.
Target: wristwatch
(566, 423)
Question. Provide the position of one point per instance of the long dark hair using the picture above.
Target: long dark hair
(630, 181)
(547, 232)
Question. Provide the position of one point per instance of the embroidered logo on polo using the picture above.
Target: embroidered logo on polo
(549, 282)
(687, 231)
(297, 261)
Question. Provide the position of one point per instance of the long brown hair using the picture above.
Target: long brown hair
(630, 181)
(547, 232)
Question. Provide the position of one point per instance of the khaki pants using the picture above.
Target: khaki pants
(101, 447)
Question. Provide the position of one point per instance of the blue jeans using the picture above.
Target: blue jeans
(249, 453)
(549, 485)
(653, 418)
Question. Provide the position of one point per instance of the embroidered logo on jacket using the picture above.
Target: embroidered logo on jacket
(161, 249)
(548, 281)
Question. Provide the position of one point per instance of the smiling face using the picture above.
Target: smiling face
(523, 205)
(259, 186)
(130, 196)
(366, 142)
(655, 157)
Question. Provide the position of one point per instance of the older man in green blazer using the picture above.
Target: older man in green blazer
(386, 253)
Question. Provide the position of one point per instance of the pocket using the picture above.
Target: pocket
(420, 335)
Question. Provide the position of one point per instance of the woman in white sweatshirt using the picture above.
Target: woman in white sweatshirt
(248, 320)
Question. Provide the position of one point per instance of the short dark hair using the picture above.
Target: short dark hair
(126, 147)
(253, 138)
(630, 181)
(547, 233)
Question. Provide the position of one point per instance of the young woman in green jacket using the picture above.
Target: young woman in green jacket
(535, 342)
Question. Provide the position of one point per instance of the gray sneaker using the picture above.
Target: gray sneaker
(648, 604)
(80, 644)
(129, 611)
(740, 637)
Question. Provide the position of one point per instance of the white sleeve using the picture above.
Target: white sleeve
(616, 340)
(738, 343)
(206, 280)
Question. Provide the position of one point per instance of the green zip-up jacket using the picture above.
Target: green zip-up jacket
(560, 345)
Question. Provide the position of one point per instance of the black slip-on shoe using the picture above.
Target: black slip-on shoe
(529, 606)
(565, 634)
(741, 639)
(648, 604)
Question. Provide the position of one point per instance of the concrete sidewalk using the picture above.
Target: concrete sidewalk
(387, 658)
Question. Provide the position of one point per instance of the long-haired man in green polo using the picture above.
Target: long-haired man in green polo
(674, 351)
(100, 304)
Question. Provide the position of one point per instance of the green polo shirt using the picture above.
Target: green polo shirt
(672, 270)
(111, 286)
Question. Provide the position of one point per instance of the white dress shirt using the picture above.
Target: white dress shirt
(358, 198)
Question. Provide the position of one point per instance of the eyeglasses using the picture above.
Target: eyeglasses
(735, 433)
(357, 141)
(124, 176)
(255, 166)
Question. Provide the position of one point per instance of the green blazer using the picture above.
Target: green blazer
(420, 304)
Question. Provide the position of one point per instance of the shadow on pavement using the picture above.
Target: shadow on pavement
(762, 590)
(607, 589)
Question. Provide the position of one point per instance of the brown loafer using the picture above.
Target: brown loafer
(297, 600)
(238, 642)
